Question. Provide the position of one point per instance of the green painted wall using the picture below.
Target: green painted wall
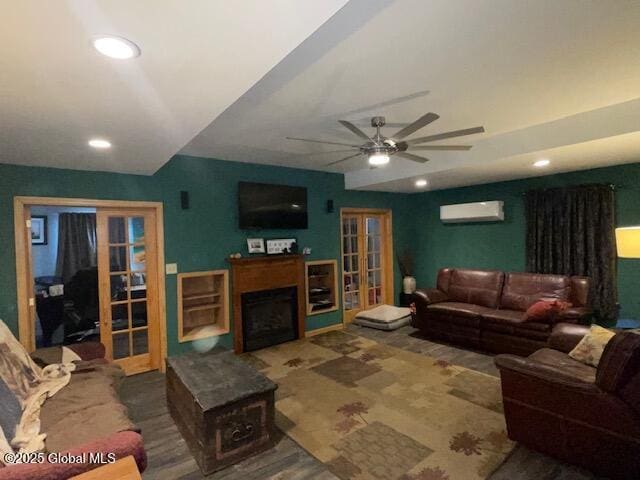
(202, 237)
(51, 182)
(501, 245)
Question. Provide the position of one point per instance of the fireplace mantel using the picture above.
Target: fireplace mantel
(268, 272)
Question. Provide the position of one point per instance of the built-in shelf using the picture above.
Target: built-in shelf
(198, 296)
(321, 286)
(203, 304)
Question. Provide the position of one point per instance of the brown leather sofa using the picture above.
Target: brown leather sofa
(568, 410)
(486, 309)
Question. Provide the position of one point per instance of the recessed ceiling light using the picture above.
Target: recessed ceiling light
(378, 159)
(99, 143)
(541, 163)
(421, 183)
(116, 47)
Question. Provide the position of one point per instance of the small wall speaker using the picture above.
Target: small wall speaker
(184, 200)
(329, 206)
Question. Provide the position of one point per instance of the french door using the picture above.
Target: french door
(367, 276)
(128, 284)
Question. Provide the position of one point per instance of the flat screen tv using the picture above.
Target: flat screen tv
(266, 206)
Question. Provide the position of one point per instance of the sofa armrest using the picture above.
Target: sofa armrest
(565, 336)
(544, 372)
(576, 315)
(427, 296)
(114, 447)
(88, 350)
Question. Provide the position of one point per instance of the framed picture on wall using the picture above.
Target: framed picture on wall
(39, 230)
(255, 245)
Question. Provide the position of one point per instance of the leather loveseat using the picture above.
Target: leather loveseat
(572, 411)
(486, 309)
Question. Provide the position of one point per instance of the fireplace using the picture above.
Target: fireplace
(268, 300)
(269, 317)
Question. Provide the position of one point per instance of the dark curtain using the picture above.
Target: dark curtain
(571, 231)
(77, 244)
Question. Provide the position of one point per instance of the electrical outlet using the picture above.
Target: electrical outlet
(171, 268)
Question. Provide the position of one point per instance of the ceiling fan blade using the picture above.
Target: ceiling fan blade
(328, 152)
(411, 156)
(322, 141)
(342, 159)
(442, 136)
(423, 121)
(440, 147)
(393, 101)
(354, 129)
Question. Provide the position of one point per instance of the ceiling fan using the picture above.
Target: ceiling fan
(379, 148)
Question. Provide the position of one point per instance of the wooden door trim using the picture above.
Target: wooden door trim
(26, 332)
(387, 258)
(26, 314)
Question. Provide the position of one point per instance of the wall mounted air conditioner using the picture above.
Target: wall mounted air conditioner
(473, 212)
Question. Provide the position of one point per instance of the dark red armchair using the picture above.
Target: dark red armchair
(579, 414)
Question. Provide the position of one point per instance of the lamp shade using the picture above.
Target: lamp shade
(628, 241)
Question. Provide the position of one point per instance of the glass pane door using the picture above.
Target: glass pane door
(128, 297)
(351, 260)
(373, 243)
(127, 275)
(366, 244)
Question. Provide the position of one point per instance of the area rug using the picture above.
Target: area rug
(371, 411)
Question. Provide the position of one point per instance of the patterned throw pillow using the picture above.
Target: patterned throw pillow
(590, 348)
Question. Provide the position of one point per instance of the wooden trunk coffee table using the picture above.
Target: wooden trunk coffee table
(223, 407)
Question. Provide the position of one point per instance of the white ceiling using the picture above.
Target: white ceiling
(230, 80)
(580, 156)
(197, 58)
(544, 78)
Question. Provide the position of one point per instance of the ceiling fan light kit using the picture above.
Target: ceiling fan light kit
(377, 159)
(379, 149)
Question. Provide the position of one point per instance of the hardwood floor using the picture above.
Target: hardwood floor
(169, 457)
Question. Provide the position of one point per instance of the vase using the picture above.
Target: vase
(408, 285)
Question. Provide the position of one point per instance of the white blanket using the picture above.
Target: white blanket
(32, 385)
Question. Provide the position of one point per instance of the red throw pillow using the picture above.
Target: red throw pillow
(545, 310)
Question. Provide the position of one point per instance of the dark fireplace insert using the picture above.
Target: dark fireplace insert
(269, 317)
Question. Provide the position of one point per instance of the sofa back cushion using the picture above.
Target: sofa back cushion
(521, 290)
(479, 287)
(619, 368)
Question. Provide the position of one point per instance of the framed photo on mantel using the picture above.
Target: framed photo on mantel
(281, 245)
(255, 245)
